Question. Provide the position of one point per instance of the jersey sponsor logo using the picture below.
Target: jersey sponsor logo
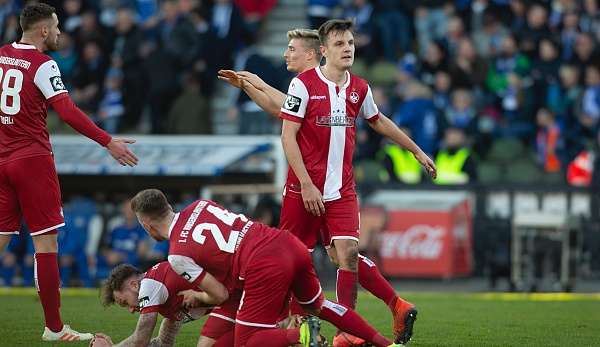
(143, 302)
(354, 97)
(318, 97)
(57, 83)
(339, 118)
(292, 103)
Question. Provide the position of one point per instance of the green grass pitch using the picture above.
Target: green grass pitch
(444, 319)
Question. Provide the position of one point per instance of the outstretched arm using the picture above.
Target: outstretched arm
(72, 115)
(384, 126)
(265, 96)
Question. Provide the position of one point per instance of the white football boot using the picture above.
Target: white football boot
(66, 334)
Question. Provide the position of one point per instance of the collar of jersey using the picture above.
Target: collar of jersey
(173, 223)
(22, 46)
(331, 83)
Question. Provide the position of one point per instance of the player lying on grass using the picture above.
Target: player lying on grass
(268, 264)
(161, 291)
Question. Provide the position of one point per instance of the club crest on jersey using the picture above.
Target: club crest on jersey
(143, 302)
(57, 83)
(292, 103)
(354, 97)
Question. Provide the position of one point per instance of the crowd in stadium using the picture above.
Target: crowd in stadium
(482, 75)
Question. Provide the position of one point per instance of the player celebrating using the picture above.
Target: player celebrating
(303, 54)
(161, 291)
(318, 139)
(218, 251)
(30, 81)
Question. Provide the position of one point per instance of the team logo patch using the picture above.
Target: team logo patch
(354, 97)
(57, 83)
(292, 103)
(143, 302)
(187, 276)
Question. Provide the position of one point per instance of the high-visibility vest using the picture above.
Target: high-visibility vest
(450, 167)
(406, 168)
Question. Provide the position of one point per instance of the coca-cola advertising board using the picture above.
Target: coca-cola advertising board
(433, 244)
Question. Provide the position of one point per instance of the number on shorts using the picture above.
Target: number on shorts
(12, 91)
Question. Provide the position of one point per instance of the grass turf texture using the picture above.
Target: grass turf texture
(444, 319)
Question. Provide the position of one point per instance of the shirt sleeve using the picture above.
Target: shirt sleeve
(187, 268)
(369, 110)
(294, 106)
(152, 294)
(47, 79)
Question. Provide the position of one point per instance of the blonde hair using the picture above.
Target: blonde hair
(309, 37)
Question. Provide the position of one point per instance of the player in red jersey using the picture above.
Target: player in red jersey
(218, 251)
(303, 55)
(161, 291)
(30, 82)
(318, 138)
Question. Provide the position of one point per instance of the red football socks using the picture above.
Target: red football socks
(351, 322)
(346, 287)
(47, 283)
(274, 337)
(371, 279)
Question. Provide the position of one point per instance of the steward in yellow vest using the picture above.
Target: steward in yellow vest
(400, 164)
(454, 163)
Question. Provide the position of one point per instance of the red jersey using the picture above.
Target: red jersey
(29, 81)
(206, 238)
(158, 293)
(327, 133)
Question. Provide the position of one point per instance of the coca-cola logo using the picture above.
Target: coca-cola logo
(423, 242)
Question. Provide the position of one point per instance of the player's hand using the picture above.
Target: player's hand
(101, 340)
(427, 163)
(253, 79)
(230, 77)
(313, 200)
(190, 298)
(118, 149)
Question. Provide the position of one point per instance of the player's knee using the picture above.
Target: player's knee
(205, 341)
(348, 257)
(333, 257)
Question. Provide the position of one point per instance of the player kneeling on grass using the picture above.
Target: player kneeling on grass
(161, 291)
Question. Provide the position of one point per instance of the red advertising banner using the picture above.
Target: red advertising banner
(434, 244)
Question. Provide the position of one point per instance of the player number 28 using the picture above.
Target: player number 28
(12, 91)
(226, 245)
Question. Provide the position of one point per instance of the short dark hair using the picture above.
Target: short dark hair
(151, 203)
(115, 281)
(34, 13)
(334, 25)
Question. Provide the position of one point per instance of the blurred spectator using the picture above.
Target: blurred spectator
(590, 18)
(393, 28)
(125, 242)
(88, 77)
(584, 170)
(71, 19)
(454, 161)
(456, 33)
(434, 60)
(267, 211)
(535, 30)
(254, 12)
(441, 90)
(549, 141)
(590, 105)
(77, 249)
(111, 109)
(488, 35)
(320, 11)
(190, 111)
(543, 71)
(9, 26)
(468, 70)
(431, 21)
(128, 54)
(568, 35)
(90, 30)
(585, 51)
(461, 113)
(417, 113)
